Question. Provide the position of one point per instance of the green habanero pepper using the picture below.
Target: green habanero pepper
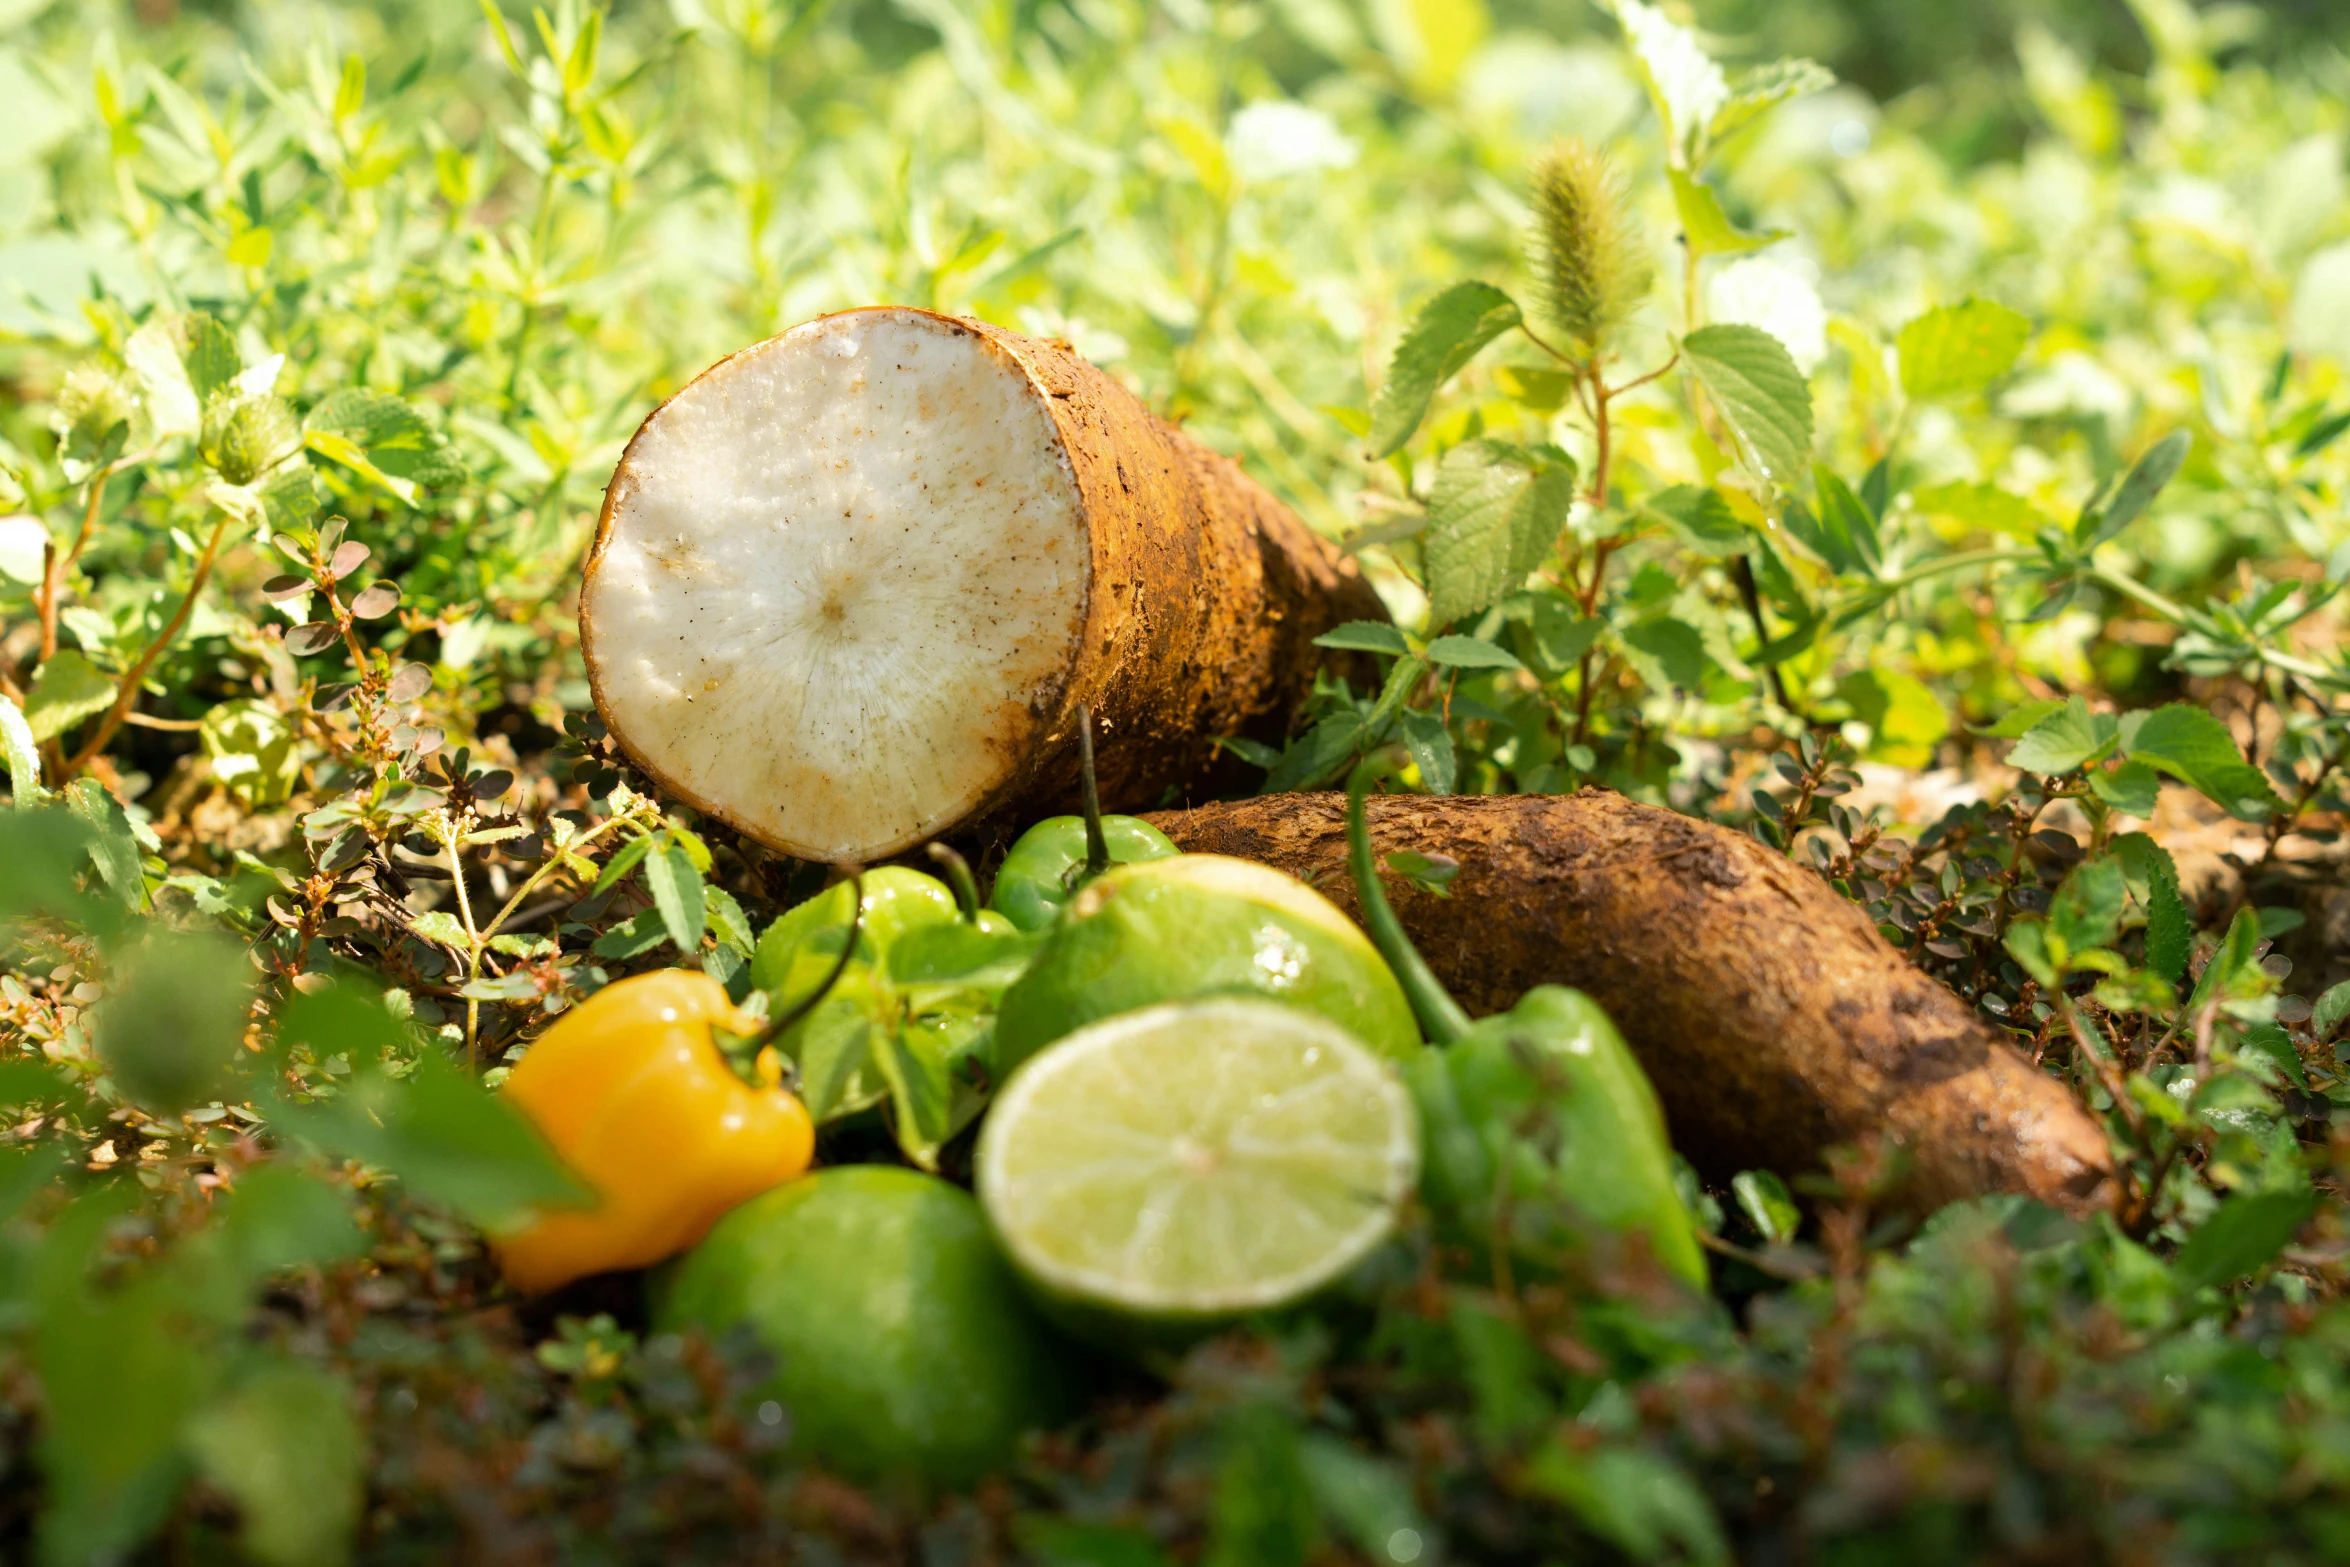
(1531, 1117)
(1048, 865)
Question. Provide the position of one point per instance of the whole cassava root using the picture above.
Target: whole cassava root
(852, 584)
(1772, 1017)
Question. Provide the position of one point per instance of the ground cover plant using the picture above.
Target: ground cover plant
(1937, 481)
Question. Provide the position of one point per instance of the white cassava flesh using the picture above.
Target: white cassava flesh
(840, 574)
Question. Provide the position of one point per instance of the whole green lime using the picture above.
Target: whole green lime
(1202, 925)
(903, 1345)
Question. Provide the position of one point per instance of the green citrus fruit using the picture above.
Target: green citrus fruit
(1201, 925)
(903, 1345)
(1166, 1170)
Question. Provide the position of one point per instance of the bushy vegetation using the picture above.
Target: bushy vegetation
(1946, 487)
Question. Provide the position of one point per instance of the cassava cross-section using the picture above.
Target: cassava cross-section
(1773, 1019)
(852, 583)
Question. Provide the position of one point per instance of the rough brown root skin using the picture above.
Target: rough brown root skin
(1773, 1018)
(1205, 599)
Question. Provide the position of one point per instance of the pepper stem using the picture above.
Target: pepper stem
(1441, 1017)
(848, 950)
(1097, 847)
(959, 877)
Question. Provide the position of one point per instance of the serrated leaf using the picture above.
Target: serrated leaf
(1429, 741)
(2331, 1008)
(1365, 636)
(2194, 747)
(2170, 934)
(2018, 720)
(728, 921)
(1705, 227)
(2066, 739)
(678, 894)
(2145, 480)
(624, 859)
(1447, 333)
(1754, 383)
(2087, 909)
(1952, 350)
(1668, 653)
(1492, 516)
(1763, 87)
(212, 357)
(2242, 1235)
(1701, 519)
(2132, 788)
(441, 927)
(1457, 652)
(114, 847)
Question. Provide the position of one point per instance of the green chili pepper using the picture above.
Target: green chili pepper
(1531, 1117)
(1050, 863)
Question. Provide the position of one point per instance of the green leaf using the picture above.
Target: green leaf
(1429, 741)
(1365, 636)
(2069, 738)
(448, 1139)
(1457, 652)
(2170, 934)
(1984, 506)
(173, 1018)
(30, 1080)
(1669, 653)
(1699, 516)
(1844, 517)
(2026, 941)
(277, 1217)
(1767, 1204)
(2087, 909)
(2241, 1237)
(2018, 720)
(1754, 383)
(1906, 719)
(2194, 747)
(2132, 788)
(677, 892)
(623, 860)
(1640, 1502)
(2331, 1008)
(2139, 486)
(286, 1447)
(212, 357)
(1261, 1513)
(1314, 756)
(1371, 1501)
(1705, 227)
(1952, 350)
(441, 926)
(1444, 336)
(1761, 87)
(833, 1050)
(961, 955)
(114, 847)
(2269, 1042)
(728, 921)
(67, 689)
(2234, 969)
(1562, 634)
(20, 750)
(1492, 517)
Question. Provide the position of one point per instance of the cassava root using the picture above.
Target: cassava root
(1772, 1017)
(852, 584)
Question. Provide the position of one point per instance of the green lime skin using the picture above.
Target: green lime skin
(1038, 877)
(904, 1347)
(1548, 1099)
(1202, 925)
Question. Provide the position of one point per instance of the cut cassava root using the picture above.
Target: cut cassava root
(1773, 1019)
(851, 585)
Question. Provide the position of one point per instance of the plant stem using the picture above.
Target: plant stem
(127, 691)
(475, 943)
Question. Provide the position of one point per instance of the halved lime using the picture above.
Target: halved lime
(1171, 1168)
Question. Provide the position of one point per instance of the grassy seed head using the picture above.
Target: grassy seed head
(1591, 268)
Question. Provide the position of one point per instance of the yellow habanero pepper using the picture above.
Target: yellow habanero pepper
(632, 1091)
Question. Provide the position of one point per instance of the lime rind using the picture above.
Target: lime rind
(1197, 1160)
